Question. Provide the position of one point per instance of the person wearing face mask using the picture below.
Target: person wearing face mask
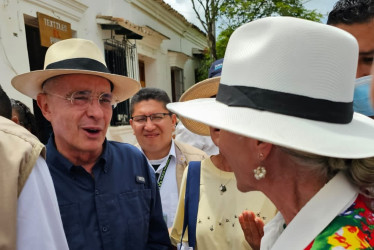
(362, 100)
(357, 18)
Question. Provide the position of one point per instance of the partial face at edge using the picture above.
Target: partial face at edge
(364, 33)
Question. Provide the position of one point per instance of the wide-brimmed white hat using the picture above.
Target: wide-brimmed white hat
(74, 56)
(289, 82)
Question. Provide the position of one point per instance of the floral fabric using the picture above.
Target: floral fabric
(353, 229)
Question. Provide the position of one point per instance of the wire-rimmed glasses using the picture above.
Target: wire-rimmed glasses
(156, 117)
(83, 98)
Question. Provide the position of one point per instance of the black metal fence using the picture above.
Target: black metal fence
(121, 59)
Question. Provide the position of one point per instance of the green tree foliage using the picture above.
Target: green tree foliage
(234, 13)
(208, 20)
(203, 68)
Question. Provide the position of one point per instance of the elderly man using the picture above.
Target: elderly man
(153, 127)
(106, 191)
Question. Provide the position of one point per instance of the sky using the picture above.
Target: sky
(184, 7)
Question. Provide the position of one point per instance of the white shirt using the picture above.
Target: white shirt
(39, 224)
(336, 196)
(204, 143)
(169, 189)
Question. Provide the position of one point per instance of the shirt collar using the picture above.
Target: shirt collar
(336, 196)
(57, 160)
(172, 149)
(171, 153)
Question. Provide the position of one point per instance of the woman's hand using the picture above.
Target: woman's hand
(253, 228)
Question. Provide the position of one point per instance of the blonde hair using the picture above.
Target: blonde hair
(359, 171)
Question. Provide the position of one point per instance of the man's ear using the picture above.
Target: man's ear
(15, 119)
(174, 120)
(41, 99)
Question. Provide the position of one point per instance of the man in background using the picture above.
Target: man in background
(5, 106)
(22, 115)
(357, 18)
(153, 126)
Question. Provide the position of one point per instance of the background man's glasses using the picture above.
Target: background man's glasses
(84, 98)
(156, 117)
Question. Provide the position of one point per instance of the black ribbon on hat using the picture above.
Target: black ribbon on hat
(286, 103)
(79, 63)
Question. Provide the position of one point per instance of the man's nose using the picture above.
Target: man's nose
(94, 108)
(149, 123)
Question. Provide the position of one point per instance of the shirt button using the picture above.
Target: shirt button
(104, 229)
(97, 191)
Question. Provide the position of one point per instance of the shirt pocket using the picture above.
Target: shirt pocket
(72, 225)
(136, 208)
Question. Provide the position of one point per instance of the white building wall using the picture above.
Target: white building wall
(181, 37)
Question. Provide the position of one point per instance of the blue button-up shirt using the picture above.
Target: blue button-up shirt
(117, 208)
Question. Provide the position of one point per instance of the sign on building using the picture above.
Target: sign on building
(52, 30)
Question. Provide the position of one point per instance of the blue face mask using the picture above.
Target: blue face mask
(361, 99)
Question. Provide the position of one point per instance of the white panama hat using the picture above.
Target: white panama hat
(289, 82)
(74, 56)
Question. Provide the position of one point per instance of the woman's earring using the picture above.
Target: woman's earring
(260, 171)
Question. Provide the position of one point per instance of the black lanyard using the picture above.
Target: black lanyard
(162, 175)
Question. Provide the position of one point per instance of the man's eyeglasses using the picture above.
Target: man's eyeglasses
(83, 98)
(156, 117)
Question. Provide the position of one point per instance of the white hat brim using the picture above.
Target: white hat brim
(30, 83)
(353, 140)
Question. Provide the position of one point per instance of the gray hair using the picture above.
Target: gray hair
(359, 171)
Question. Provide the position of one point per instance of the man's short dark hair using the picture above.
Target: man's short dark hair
(5, 106)
(25, 117)
(146, 94)
(351, 12)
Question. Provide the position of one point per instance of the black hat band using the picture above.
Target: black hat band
(79, 64)
(286, 103)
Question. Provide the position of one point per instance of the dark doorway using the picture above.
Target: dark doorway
(142, 73)
(177, 85)
(36, 61)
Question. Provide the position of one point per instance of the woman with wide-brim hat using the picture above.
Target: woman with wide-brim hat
(284, 107)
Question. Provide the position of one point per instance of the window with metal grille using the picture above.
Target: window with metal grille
(121, 58)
